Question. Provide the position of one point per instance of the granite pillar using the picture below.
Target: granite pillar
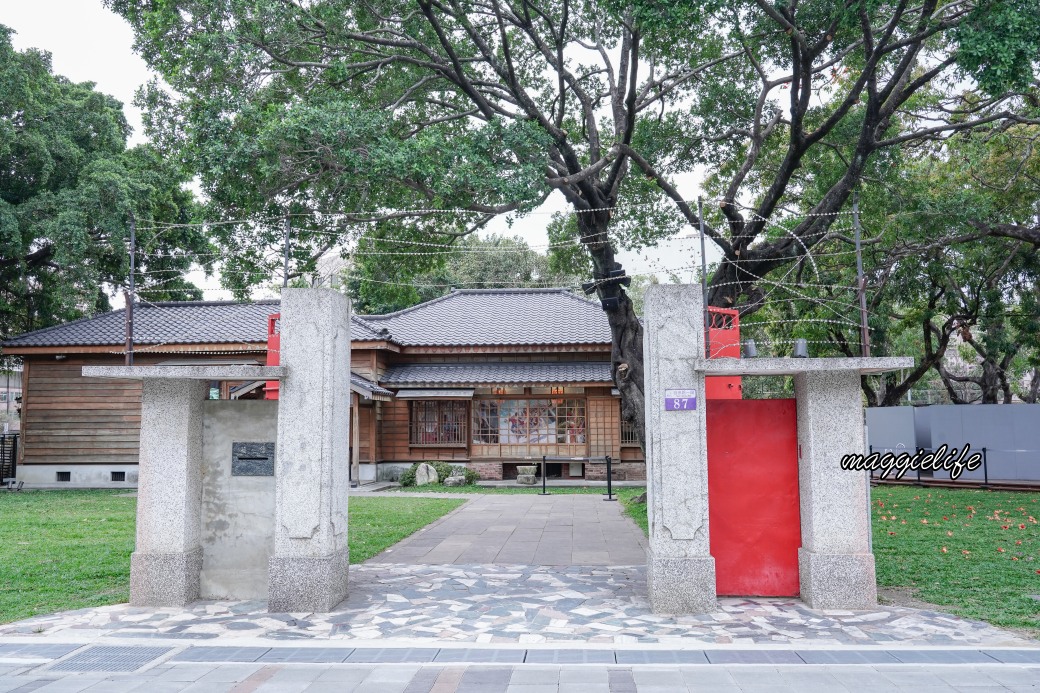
(165, 565)
(680, 568)
(307, 571)
(835, 562)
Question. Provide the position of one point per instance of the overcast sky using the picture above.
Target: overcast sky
(91, 44)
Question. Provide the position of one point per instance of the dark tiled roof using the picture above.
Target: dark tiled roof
(368, 386)
(413, 375)
(188, 322)
(483, 317)
(473, 317)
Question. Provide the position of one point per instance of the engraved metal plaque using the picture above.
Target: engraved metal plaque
(252, 459)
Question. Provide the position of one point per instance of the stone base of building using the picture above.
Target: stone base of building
(621, 471)
(488, 471)
(837, 580)
(306, 584)
(680, 585)
(164, 579)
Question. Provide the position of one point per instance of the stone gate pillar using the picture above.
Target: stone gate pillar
(680, 568)
(307, 571)
(165, 564)
(835, 561)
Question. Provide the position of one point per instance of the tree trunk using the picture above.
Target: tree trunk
(1034, 388)
(626, 356)
(990, 382)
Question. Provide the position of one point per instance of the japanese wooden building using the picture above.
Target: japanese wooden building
(485, 378)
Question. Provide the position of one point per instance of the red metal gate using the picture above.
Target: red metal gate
(753, 496)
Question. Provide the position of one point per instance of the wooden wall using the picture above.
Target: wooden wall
(68, 419)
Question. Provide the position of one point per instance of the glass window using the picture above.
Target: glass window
(529, 421)
(438, 423)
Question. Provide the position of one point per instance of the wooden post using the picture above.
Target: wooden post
(355, 442)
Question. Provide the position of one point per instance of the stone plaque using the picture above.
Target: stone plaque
(252, 459)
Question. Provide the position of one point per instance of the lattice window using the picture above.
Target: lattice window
(529, 421)
(628, 433)
(440, 423)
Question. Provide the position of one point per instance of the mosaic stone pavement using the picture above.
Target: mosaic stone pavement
(408, 604)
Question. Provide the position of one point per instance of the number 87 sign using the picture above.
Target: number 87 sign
(680, 400)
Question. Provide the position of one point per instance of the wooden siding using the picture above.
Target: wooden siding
(69, 419)
(393, 438)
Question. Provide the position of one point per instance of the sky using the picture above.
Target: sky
(89, 43)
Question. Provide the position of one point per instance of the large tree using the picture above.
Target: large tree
(68, 188)
(483, 107)
(379, 283)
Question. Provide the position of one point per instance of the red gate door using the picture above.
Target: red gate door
(753, 496)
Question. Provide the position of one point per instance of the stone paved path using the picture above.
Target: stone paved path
(562, 530)
(170, 673)
(393, 603)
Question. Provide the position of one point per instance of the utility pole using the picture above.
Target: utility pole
(704, 280)
(861, 288)
(285, 270)
(128, 296)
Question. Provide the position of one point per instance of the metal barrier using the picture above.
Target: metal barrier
(963, 481)
(588, 460)
(8, 455)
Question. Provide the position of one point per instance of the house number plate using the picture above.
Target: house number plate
(680, 400)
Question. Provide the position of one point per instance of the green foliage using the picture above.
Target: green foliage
(68, 187)
(407, 477)
(1000, 44)
(382, 283)
(443, 470)
(471, 476)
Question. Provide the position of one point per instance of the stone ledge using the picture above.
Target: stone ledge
(793, 366)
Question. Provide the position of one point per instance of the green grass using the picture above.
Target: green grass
(378, 523)
(986, 572)
(991, 562)
(440, 488)
(66, 550)
(71, 549)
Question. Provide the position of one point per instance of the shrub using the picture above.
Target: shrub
(471, 476)
(443, 470)
(408, 475)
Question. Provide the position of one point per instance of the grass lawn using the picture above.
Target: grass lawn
(975, 553)
(71, 549)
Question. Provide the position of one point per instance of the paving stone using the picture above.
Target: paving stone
(1020, 656)
(753, 657)
(661, 657)
(570, 657)
(220, 654)
(391, 655)
(326, 655)
(480, 656)
(941, 657)
(531, 675)
(846, 657)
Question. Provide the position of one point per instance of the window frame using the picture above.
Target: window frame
(418, 428)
